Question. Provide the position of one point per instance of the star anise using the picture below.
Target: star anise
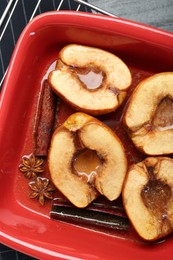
(41, 189)
(31, 166)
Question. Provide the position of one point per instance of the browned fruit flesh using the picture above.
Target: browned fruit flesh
(44, 120)
(90, 79)
(148, 195)
(149, 115)
(86, 159)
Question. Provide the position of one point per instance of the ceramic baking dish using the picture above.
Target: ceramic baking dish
(24, 225)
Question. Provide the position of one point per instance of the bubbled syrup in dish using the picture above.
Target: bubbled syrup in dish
(87, 164)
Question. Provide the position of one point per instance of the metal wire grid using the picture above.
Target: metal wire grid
(15, 14)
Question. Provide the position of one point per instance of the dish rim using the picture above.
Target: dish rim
(76, 18)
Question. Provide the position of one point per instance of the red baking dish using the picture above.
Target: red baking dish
(24, 225)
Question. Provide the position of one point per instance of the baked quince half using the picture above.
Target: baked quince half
(91, 80)
(149, 115)
(148, 195)
(86, 159)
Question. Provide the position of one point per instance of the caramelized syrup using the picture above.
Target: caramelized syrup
(51, 68)
(156, 195)
(163, 118)
(92, 80)
(87, 164)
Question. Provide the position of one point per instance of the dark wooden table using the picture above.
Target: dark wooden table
(157, 13)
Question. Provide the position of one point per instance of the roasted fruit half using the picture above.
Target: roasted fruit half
(149, 115)
(148, 195)
(86, 159)
(90, 79)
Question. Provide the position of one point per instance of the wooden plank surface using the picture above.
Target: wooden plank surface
(157, 13)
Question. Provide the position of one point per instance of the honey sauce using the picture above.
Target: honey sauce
(163, 118)
(92, 80)
(156, 195)
(87, 164)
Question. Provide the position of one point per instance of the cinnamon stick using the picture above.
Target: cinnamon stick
(44, 120)
(90, 216)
